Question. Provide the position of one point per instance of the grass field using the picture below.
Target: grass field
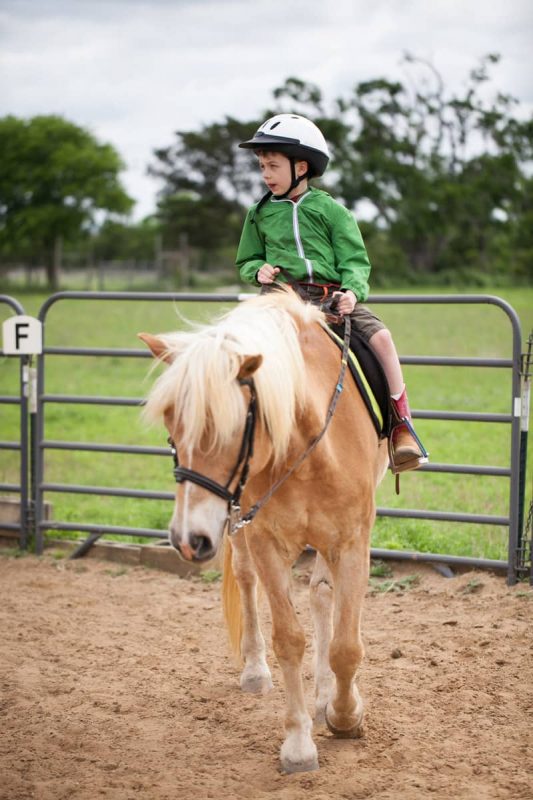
(466, 330)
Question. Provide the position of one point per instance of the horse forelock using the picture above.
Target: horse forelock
(200, 386)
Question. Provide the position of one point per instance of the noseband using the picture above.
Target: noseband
(242, 465)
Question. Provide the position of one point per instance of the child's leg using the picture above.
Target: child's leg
(383, 346)
(406, 452)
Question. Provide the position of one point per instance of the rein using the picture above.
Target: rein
(235, 520)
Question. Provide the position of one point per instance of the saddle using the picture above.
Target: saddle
(364, 365)
(369, 378)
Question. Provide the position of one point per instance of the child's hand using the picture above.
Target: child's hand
(267, 274)
(347, 301)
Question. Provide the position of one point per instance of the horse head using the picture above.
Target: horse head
(206, 399)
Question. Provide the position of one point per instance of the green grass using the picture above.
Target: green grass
(473, 330)
(210, 576)
(400, 585)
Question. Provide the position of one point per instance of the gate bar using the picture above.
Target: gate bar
(99, 400)
(105, 491)
(149, 533)
(424, 361)
(462, 561)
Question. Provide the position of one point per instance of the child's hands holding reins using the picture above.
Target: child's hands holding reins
(346, 302)
(267, 274)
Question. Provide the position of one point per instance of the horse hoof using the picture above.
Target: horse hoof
(353, 731)
(309, 765)
(298, 751)
(256, 684)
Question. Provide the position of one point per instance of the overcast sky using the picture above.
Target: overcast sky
(135, 71)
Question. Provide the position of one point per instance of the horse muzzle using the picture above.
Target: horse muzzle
(198, 547)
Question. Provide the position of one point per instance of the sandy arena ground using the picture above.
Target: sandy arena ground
(117, 683)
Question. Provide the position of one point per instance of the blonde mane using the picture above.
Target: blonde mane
(200, 387)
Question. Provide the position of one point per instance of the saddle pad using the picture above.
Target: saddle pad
(369, 377)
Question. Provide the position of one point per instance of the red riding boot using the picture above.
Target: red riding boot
(406, 451)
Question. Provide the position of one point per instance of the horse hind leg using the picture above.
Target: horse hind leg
(321, 601)
(255, 676)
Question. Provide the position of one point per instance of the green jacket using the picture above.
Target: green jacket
(316, 239)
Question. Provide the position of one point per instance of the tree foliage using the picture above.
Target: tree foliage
(444, 173)
(125, 241)
(54, 178)
(205, 176)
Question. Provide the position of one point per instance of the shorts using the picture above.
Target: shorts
(365, 322)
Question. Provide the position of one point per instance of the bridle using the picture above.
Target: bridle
(234, 519)
(242, 465)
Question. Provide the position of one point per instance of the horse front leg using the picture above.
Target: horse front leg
(298, 751)
(344, 713)
(255, 676)
(321, 601)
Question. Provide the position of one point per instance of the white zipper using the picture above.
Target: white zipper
(296, 230)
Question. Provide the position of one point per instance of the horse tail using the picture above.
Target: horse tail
(231, 600)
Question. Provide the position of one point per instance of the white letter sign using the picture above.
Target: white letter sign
(22, 335)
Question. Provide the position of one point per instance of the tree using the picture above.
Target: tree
(444, 172)
(116, 240)
(54, 178)
(207, 178)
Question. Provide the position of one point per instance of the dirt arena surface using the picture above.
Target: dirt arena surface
(116, 682)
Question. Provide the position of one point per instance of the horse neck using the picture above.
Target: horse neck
(321, 366)
(350, 422)
(322, 361)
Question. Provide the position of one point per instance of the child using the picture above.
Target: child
(319, 243)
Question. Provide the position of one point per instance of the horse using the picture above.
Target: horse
(244, 401)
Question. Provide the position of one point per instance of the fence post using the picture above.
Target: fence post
(24, 526)
(525, 546)
(515, 512)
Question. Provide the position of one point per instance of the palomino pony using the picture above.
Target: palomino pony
(242, 400)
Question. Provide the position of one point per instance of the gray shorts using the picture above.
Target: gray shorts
(365, 322)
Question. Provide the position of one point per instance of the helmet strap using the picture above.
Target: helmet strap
(295, 181)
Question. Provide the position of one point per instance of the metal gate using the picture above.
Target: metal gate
(515, 565)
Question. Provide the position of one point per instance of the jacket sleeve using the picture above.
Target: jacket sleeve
(352, 259)
(251, 250)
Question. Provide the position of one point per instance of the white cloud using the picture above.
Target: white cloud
(135, 71)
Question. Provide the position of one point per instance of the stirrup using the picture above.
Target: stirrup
(410, 464)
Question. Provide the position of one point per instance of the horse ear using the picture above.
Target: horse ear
(248, 366)
(158, 347)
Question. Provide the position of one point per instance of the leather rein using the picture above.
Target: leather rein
(235, 519)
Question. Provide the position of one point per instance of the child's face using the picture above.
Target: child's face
(276, 172)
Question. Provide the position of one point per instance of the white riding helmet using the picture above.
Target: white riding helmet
(294, 136)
